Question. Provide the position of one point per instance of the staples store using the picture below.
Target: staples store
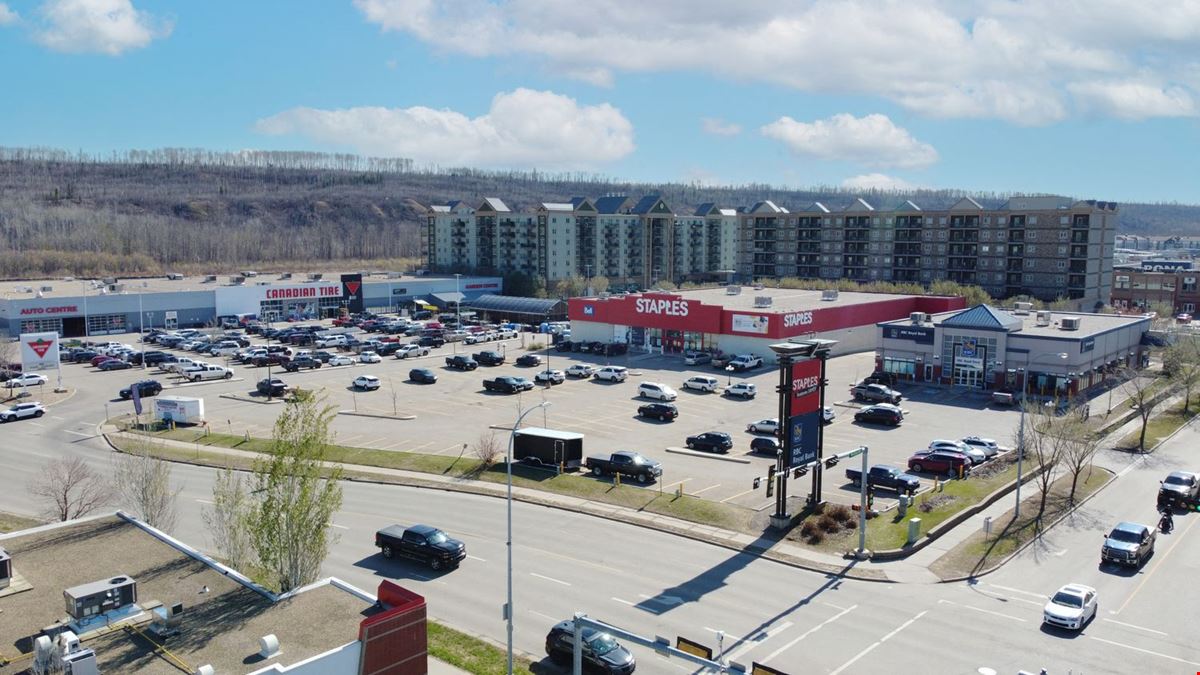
(733, 321)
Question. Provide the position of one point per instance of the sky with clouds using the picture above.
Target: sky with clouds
(1089, 98)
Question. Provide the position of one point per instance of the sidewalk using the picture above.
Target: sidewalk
(442, 668)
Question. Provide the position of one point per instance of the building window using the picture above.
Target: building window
(1064, 220)
(1122, 281)
(1032, 220)
(1060, 264)
(1000, 220)
(1063, 235)
(104, 324)
(41, 326)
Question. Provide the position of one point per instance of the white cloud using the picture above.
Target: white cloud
(872, 140)
(1133, 100)
(719, 127)
(1007, 59)
(876, 181)
(523, 128)
(103, 26)
(7, 15)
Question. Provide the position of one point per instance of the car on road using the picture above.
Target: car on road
(20, 411)
(657, 391)
(551, 376)
(765, 426)
(271, 386)
(306, 362)
(696, 358)
(1180, 489)
(583, 370)
(340, 360)
(701, 383)
(145, 388)
(1071, 607)
(880, 413)
(828, 415)
(425, 544)
(601, 653)
(365, 383)
(422, 375)
(876, 393)
(989, 446)
(662, 411)
(206, 372)
(940, 461)
(1128, 544)
(765, 445)
(26, 380)
(710, 441)
(612, 374)
(745, 390)
(529, 360)
(412, 350)
(369, 356)
(625, 463)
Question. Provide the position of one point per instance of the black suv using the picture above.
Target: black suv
(601, 653)
(422, 543)
(431, 341)
(422, 375)
(145, 388)
(663, 411)
(155, 357)
(711, 441)
(271, 386)
(299, 362)
(880, 414)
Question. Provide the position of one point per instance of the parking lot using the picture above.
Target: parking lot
(441, 418)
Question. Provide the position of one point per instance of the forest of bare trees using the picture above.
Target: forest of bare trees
(177, 209)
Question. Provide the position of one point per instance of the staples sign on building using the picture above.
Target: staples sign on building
(665, 311)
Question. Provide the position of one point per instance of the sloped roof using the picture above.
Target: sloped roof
(984, 317)
(582, 204)
(705, 209)
(859, 205)
(815, 207)
(558, 206)
(728, 212)
(907, 205)
(647, 204)
(1046, 203)
(966, 204)
(612, 204)
(494, 204)
(513, 304)
(439, 208)
(767, 206)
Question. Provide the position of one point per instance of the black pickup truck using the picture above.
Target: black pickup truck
(293, 365)
(270, 359)
(422, 543)
(626, 463)
(489, 358)
(461, 362)
(508, 384)
(884, 476)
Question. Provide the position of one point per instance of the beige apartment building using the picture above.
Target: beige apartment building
(1045, 247)
(633, 243)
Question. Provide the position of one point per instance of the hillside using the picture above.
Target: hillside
(181, 210)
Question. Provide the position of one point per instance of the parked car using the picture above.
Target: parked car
(744, 362)
(657, 391)
(876, 393)
(84, 355)
(323, 355)
(1128, 544)
(601, 653)
(431, 341)
(744, 390)
(489, 358)
(529, 360)
(880, 413)
(270, 359)
(1071, 607)
(461, 362)
(710, 441)
(507, 384)
(412, 350)
(26, 380)
(340, 360)
(369, 357)
(768, 426)
(153, 358)
(301, 362)
(271, 386)
(625, 463)
(101, 358)
(207, 373)
(20, 411)
(583, 370)
(941, 461)
(662, 411)
(977, 456)
(701, 383)
(989, 447)
(145, 388)
(422, 375)
(766, 445)
(365, 383)
(885, 476)
(828, 415)
(550, 376)
(425, 544)
(696, 358)
(612, 374)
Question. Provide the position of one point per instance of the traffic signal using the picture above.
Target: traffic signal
(831, 462)
(800, 471)
(770, 481)
(756, 482)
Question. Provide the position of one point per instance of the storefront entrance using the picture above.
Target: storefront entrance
(968, 377)
(672, 342)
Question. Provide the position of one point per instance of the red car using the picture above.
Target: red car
(343, 321)
(101, 358)
(940, 461)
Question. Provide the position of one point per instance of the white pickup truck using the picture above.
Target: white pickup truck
(207, 373)
(744, 362)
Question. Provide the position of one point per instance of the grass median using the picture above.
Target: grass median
(470, 653)
(1162, 425)
(11, 522)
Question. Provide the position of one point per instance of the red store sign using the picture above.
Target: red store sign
(806, 386)
(304, 292)
(650, 310)
(63, 309)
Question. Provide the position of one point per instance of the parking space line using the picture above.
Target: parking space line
(1129, 625)
(542, 576)
(806, 633)
(705, 489)
(678, 482)
(1146, 651)
(625, 602)
(456, 446)
(740, 494)
(78, 433)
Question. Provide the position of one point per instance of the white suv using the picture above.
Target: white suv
(657, 391)
(21, 411)
(612, 373)
(701, 383)
(742, 389)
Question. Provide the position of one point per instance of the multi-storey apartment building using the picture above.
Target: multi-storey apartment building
(633, 243)
(1046, 247)
(1154, 283)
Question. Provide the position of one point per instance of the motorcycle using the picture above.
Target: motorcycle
(1166, 523)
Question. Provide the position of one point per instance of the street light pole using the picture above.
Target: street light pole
(1021, 428)
(508, 607)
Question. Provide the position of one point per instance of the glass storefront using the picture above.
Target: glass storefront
(905, 369)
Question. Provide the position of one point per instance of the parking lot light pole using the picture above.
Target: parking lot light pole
(508, 460)
(861, 554)
(1021, 427)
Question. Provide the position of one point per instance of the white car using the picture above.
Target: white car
(26, 380)
(366, 382)
(742, 390)
(767, 426)
(369, 357)
(340, 360)
(977, 456)
(475, 338)
(656, 391)
(206, 372)
(989, 446)
(21, 411)
(612, 373)
(180, 365)
(581, 370)
(411, 350)
(828, 415)
(552, 376)
(701, 383)
(1071, 607)
(330, 341)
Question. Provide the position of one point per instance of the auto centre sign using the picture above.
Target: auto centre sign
(42, 311)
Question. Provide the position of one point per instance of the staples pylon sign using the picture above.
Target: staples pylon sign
(39, 351)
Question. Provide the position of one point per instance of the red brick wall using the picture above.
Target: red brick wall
(394, 641)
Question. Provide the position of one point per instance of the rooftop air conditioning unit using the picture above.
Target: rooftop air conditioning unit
(166, 620)
(175, 276)
(917, 318)
(110, 280)
(285, 275)
(6, 572)
(1043, 318)
(762, 301)
(759, 287)
(47, 289)
(315, 276)
(236, 281)
(68, 279)
(829, 295)
(1022, 307)
(116, 288)
(98, 597)
(210, 277)
(394, 275)
(249, 273)
(733, 290)
(1070, 323)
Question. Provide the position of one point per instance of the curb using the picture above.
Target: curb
(378, 416)
(709, 455)
(204, 382)
(251, 399)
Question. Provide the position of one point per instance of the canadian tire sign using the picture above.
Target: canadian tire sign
(39, 351)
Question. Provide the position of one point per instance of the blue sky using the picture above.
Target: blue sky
(1089, 98)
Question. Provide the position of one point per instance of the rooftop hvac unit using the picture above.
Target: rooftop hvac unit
(237, 281)
(762, 301)
(829, 295)
(99, 597)
(733, 290)
(6, 572)
(47, 289)
(63, 653)
(1070, 323)
(210, 277)
(116, 288)
(315, 276)
(917, 318)
(109, 280)
(394, 275)
(1022, 307)
(166, 620)
(249, 273)
(1043, 318)
(759, 287)
(175, 276)
(285, 275)
(68, 279)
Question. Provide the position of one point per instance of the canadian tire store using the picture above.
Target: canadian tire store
(727, 320)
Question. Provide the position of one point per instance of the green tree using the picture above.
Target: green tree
(226, 519)
(570, 287)
(599, 284)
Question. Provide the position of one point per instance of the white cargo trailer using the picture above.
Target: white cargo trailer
(179, 409)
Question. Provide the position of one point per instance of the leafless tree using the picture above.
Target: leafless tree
(1181, 363)
(1142, 399)
(487, 448)
(1043, 451)
(1077, 446)
(225, 519)
(69, 489)
(143, 482)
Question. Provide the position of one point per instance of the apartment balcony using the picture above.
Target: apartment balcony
(854, 248)
(1077, 281)
(908, 235)
(1016, 235)
(857, 235)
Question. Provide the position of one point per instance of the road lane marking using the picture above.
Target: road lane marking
(904, 625)
(1145, 651)
(704, 489)
(1129, 625)
(985, 611)
(1008, 598)
(542, 576)
(36, 424)
(713, 630)
(808, 632)
(750, 643)
(475, 557)
(885, 638)
(740, 494)
(625, 602)
(1157, 564)
(1040, 596)
(544, 616)
(205, 501)
(340, 527)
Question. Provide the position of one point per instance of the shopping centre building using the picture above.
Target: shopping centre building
(78, 307)
(1050, 352)
(736, 320)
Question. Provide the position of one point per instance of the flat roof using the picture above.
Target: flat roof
(220, 628)
(1089, 324)
(783, 300)
(62, 288)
